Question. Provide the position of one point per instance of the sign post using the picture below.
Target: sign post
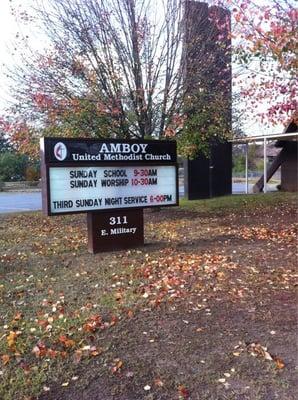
(112, 181)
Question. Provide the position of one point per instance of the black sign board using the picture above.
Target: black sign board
(112, 230)
(111, 180)
(91, 151)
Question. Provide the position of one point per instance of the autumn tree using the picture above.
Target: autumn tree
(5, 146)
(112, 68)
(265, 43)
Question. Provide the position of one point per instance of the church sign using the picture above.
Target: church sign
(100, 176)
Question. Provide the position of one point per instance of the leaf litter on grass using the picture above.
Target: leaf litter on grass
(57, 307)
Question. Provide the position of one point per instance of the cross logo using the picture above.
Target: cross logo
(60, 151)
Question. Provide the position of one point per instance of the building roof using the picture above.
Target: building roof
(276, 136)
(290, 128)
(290, 133)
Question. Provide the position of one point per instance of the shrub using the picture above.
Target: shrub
(32, 173)
(12, 166)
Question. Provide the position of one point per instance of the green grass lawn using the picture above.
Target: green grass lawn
(239, 202)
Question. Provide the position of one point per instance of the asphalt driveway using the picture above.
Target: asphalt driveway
(19, 201)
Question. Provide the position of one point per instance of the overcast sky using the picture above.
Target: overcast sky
(8, 29)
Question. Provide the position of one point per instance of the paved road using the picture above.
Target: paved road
(30, 201)
(239, 187)
(19, 201)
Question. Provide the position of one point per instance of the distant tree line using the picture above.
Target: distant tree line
(15, 166)
(255, 163)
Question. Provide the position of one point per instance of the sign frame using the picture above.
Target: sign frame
(45, 170)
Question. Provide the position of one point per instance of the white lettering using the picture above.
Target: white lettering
(125, 148)
(115, 148)
(104, 148)
(143, 147)
(135, 148)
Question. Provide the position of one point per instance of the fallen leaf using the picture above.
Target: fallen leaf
(95, 351)
(118, 296)
(5, 359)
(18, 316)
(93, 323)
(220, 275)
(25, 367)
(158, 382)
(66, 341)
(52, 353)
(39, 350)
(114, 320)
(117, 365)
(183, 392)
(11, 340)
(279, 363)
(256, 349)
(77, 356)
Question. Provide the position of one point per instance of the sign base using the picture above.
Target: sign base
(115, 230)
